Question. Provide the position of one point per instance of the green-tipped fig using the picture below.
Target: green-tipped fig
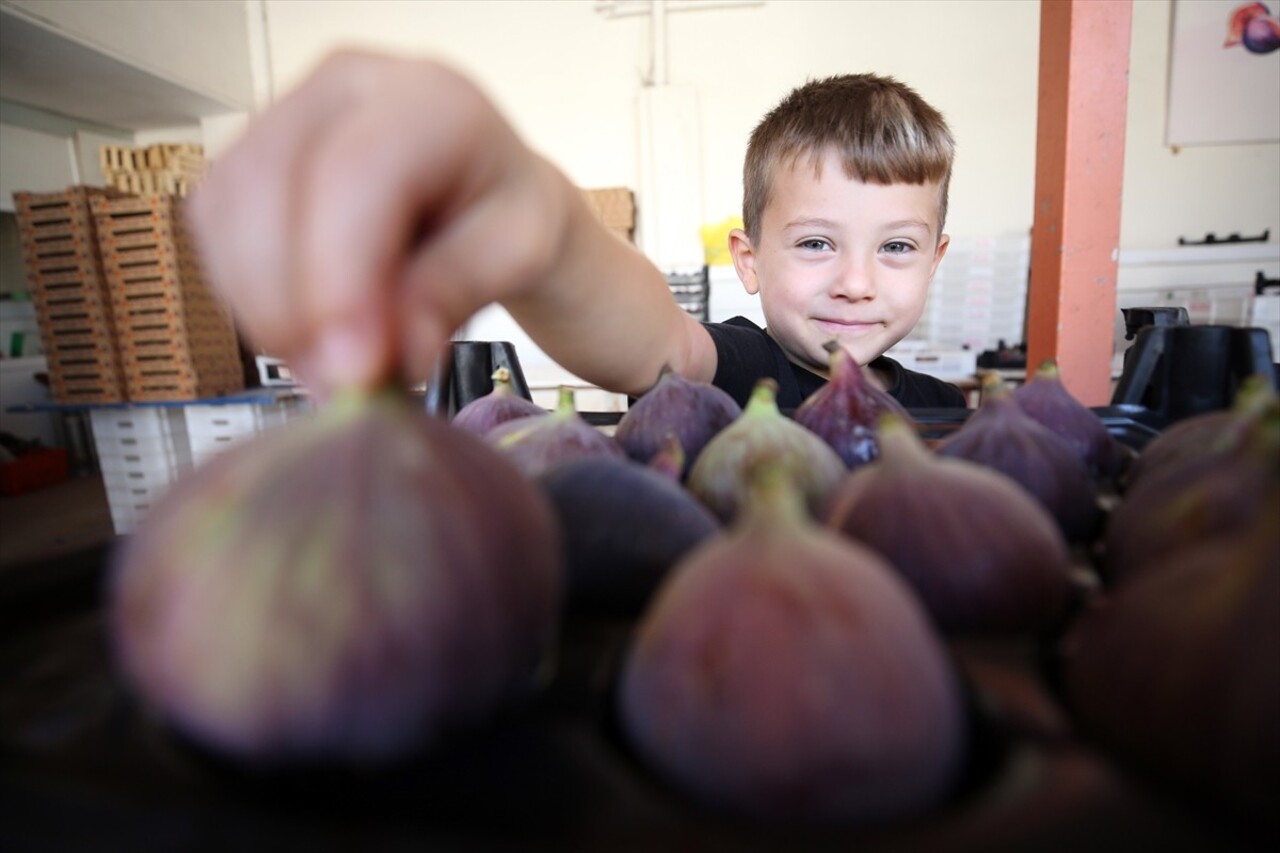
(624, 526)
(351, 588)
(763, 435)
(694, 411)
(845, 412)
(984, 556)
(538, 444)
(786, 673)
(500, 405)
(1004, 438)
(1048, 401)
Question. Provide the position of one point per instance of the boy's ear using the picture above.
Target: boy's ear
(938, 254)
(744, 260)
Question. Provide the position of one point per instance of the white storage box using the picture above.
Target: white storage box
(141, 452)
(941, 362)
(211, 429)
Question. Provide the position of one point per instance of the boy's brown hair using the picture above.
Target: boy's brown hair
(884, 132)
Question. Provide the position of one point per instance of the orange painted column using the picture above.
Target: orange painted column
(1075, 235)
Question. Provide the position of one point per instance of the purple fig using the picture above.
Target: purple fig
(670, 459)
(762, 433)
(984, 556)
(1214, 495)
(1048, 401)
(1175, 671)
(624, 526)
(1195, 437)
(500, 405)
(694, 411)
(335, 591)
(1004, 438)
(846, 411)
(784, 672)
(538, 443)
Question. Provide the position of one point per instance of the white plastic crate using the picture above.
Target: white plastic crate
(941, 362)
(141, 452)
(211, 429)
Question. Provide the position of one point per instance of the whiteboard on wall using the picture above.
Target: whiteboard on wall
(1221, 90)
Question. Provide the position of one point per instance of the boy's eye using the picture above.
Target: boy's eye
(897, 247)
(816, 243)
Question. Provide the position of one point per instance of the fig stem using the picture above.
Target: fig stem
(565, 402)
(899, 441)
(993, 385)
(1048, 369)
(764, 398)
(502, 381)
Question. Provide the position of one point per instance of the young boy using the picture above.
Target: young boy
(376, 208)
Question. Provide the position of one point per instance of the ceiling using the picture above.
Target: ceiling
(40, 68)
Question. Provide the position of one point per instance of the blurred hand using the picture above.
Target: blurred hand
(369, 213)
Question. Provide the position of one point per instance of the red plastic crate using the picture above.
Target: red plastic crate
(33, 470)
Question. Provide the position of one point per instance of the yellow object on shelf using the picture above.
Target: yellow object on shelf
(715, 241)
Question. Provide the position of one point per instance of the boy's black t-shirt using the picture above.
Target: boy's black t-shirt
(745, 353)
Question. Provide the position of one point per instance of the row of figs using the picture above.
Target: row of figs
(361, 586)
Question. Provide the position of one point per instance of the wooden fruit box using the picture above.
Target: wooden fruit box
(615, 207)
(70, 295)
(176, 342)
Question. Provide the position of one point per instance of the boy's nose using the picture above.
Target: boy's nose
(855, 281)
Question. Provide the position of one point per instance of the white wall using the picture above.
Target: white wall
(200, 44)
(34, 161)
(568, 79)
(1197, 189)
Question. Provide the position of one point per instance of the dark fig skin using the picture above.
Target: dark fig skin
(763, 436)
(537, 444)
(694, 411)
(624, 526)
(500, 405)
(1193, 438)
(1048, 401)
(334, 592)
(1002, 437)
(984, 556)
(844, 412)
(784, 673)
(1175, 672)
(1215, 495)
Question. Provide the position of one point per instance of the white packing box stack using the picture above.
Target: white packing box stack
(979, 294)
(948, 363)
(212, 428)
(141, 452)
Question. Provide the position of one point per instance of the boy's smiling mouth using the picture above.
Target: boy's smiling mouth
(844, 327)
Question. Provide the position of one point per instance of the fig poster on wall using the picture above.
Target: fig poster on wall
(1224, 72)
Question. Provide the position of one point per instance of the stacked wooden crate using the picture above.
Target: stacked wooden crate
(173, 169)
(72, 301)
(176, 341)
(615, 207)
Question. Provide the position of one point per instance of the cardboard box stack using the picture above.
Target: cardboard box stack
(176, 341)
(169, 169)
(73, 305)
(616, 208)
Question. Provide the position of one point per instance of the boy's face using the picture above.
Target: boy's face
(838, 258)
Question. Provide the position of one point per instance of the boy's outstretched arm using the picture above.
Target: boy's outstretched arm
(378, 206)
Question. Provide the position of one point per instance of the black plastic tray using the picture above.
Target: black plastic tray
(82, 767)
